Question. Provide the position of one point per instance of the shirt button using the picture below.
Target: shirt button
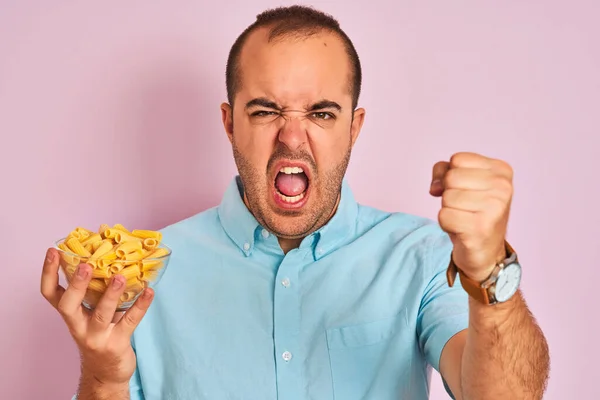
(285, 282)
(287, 356)
(265, 233)
(246, 246)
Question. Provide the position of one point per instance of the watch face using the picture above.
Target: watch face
(508, 282)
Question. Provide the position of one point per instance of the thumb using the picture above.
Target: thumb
(437, 180)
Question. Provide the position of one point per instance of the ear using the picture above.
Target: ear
(227, 118)
(357, 122)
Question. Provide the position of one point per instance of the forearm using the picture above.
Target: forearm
(506, 354)
(92, 389)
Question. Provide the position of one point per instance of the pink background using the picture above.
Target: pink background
(109, 112)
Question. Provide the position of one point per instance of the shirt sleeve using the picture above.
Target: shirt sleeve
(444, 310)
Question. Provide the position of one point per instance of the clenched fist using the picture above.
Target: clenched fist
(476, 194)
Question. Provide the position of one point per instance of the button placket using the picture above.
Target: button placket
(286, 325)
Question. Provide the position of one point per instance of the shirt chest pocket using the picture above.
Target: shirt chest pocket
(368, 360)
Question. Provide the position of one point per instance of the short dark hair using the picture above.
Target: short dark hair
(301, 21)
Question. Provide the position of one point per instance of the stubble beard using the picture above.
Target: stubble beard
(314, 214)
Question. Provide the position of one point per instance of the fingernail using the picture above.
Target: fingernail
(436, 184)
(50, 256)
(82, 271)
(117, 282)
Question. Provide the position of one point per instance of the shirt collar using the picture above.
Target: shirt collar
(241, 226)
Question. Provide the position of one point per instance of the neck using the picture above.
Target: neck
(287, 244)
(290, 244)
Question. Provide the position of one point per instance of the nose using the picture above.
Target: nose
(293, 133)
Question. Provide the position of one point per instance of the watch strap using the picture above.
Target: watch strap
(475, 289)
(472, 287)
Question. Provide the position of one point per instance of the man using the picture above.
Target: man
(291, 290)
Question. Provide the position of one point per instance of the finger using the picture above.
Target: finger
(70, 304)
(104, 311)
(455, 221)
(134, 315)
(465, 200)
(439, 171)
(470, 179)
(503, 169)
(470, 160)
(49, 286)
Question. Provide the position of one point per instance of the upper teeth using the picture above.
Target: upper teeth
(291, 170)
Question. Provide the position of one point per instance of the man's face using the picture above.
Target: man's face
(292, 129)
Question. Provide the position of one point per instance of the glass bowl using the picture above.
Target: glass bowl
(141, 268)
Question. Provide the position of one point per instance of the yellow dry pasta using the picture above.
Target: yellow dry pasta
(101, 257)
(83, 233)
(102, 228)
(101, 273)
(136, 254)
(102, 250)
(73, 234)
(148, 275)
(147, 265)
(146, 234)
(83, 230)
(150, 243)
(134, 284)
(77, 248)
(115, 267)
(98, 244)
(130, 272)
(128, 296)
(93, 238)
(107, 259)
(121, 228)
(68, 258)
(122, 237)
(97, 285)
(109, 233)
(126, 248)
(158, 253)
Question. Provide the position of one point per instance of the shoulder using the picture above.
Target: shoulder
(404, 232)
(399, 224)
(196, 227)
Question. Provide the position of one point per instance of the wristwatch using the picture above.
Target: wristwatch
(499, 287)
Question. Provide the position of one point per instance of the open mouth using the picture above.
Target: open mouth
(291, 186)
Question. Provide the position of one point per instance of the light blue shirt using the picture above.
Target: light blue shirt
(361, 310)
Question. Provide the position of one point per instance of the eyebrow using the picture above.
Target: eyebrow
(266, 103)
(325, 104)
(262, 102)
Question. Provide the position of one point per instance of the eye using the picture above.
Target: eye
(263, 113)
(322, 115)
